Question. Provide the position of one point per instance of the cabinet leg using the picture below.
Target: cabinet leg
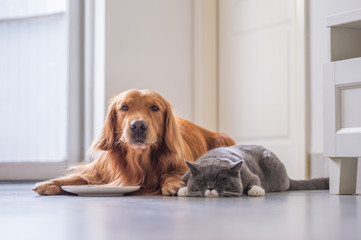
(358, 177)
(343, 175)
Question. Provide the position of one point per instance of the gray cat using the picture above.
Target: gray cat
(237, 170)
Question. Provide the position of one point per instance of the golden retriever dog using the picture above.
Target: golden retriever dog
(142, 144)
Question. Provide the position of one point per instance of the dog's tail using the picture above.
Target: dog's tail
(225, 140)
(219, 140)
(311, 184)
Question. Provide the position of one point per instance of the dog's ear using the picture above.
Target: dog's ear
(107, 137)
(172, 136)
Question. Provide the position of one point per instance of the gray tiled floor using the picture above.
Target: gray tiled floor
(289, 215)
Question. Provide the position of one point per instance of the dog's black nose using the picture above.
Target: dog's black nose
(138, 127)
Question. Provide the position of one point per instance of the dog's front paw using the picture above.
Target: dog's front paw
(171, 188)
(47, 188)
(256, 191)
(183, 192)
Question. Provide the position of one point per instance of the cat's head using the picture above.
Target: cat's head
(215, 180)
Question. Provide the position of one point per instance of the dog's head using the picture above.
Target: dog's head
(139, 119)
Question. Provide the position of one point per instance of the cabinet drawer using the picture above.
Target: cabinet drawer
(342, 108)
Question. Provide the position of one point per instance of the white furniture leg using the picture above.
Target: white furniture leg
(343, 175)
(358, 177)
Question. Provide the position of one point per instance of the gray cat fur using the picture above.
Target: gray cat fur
(260, 167)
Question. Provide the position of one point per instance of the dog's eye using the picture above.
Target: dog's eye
(154, 108)
(124, 108)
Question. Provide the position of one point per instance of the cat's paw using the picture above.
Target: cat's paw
(183, 192)
(256, 191)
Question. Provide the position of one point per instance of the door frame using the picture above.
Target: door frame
(205, 63)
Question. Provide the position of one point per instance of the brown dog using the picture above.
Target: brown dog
(142, 143)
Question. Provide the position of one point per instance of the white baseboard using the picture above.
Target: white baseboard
(31, 171)
(318, 165)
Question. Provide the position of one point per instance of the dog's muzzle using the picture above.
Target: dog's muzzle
(139, 129)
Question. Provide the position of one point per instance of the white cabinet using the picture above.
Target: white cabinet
(342, 103)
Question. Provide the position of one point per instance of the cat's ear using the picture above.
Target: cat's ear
(237, 166)
(193, 167)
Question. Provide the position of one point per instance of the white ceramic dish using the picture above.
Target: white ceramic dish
(99, 190)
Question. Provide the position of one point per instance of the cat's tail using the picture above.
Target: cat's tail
(311, 184)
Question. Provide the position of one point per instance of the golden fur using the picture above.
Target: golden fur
(157, 164)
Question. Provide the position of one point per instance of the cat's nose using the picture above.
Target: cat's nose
(210, 188)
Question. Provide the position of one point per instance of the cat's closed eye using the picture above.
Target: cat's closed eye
(221, 178)
(200, 180)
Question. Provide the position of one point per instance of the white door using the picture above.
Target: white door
(262, 77)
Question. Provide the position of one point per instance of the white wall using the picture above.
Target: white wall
(318, 11)
(148, 44)
(136, 57)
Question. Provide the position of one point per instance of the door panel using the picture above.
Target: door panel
(261, 94)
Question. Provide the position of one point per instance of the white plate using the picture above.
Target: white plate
(99, 190)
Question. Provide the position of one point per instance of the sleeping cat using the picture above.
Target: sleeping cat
(237, 170)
